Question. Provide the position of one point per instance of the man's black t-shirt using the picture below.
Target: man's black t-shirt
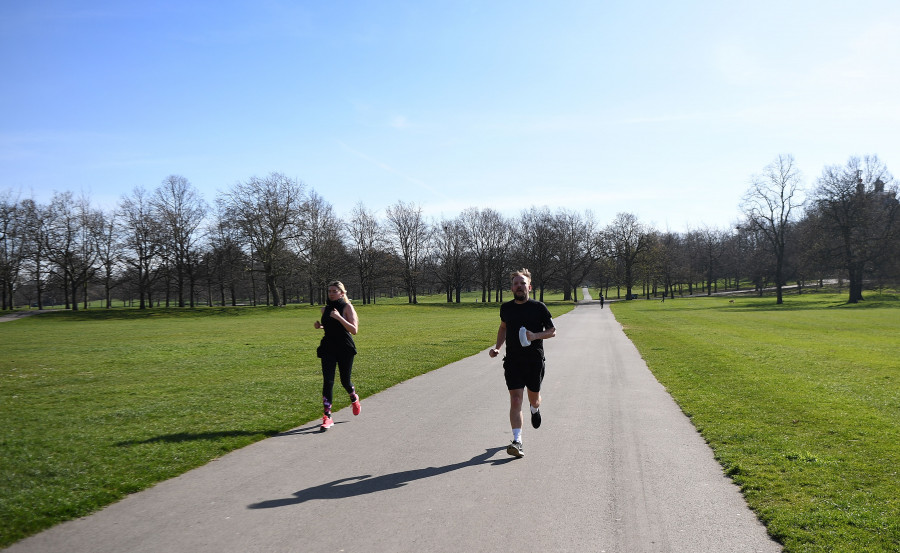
(534, 316)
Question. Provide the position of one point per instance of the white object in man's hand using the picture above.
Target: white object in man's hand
(523, 337)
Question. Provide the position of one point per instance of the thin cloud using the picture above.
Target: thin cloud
(389, 169)
(400, 122)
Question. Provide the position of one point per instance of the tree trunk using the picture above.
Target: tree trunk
(856, 283)
(273, 289)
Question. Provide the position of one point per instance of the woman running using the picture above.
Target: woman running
(337, 349)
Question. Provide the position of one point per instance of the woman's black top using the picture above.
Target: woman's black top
(337, 339)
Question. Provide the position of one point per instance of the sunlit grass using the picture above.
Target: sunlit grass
(800, 402)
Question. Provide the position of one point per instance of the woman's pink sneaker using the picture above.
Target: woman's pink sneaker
(326, 423)
(356, 406)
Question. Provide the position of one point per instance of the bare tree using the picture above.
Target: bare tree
(227, 260)
(368, 240)
(537, 243)
(711, 243)
(628, 239)
(410, 232)
(109, 246)
(502, 238)
(142, 242)
(72, 242)
(666, 258)
(13, 244)
(646, 264)
(450, 253)
(478, 241)
(181, 210)
(859, 210)
(319, 245)
(268, 212)
(36, 232)
(769, 205)
(488, 236)
(605, 266)
(575, 243)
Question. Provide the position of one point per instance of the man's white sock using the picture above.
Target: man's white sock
(517, 434)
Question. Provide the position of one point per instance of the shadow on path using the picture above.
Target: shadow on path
(315, 428)
(365, 484)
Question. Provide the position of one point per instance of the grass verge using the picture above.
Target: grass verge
(98, 404)
(800, 403)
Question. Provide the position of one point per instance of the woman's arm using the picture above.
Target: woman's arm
(350, 321)
(318, 324)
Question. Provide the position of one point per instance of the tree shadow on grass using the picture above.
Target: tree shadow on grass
(799, 305)
(366, 484)
(132, 313)
(179, 437)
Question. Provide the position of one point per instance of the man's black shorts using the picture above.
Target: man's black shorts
(523, 372)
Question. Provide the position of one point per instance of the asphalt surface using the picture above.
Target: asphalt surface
(615, 467)
(16, 315)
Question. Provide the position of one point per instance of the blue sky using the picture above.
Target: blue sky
(661, 109)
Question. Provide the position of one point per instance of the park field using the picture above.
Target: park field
(97, 404)
(799, 402)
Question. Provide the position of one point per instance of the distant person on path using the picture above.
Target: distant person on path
(337, 349)
(601, 300)
(524, 325)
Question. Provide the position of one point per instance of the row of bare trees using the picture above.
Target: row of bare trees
(271, 240)
(850, 227)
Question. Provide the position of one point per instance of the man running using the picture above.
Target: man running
(524, 325)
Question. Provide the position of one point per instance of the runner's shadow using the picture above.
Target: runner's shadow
(315, 428)
(365, 484)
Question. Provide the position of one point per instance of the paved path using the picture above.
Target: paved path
(16, 315)
(616, 467)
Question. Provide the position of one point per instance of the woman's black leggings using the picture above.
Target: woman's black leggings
(344, 363)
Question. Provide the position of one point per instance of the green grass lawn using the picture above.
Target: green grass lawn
(98, 404)
(800, 403)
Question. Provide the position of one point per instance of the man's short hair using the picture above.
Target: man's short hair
(523, 271)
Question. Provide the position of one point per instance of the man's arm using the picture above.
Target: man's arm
(501, 337)
(549, 330)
